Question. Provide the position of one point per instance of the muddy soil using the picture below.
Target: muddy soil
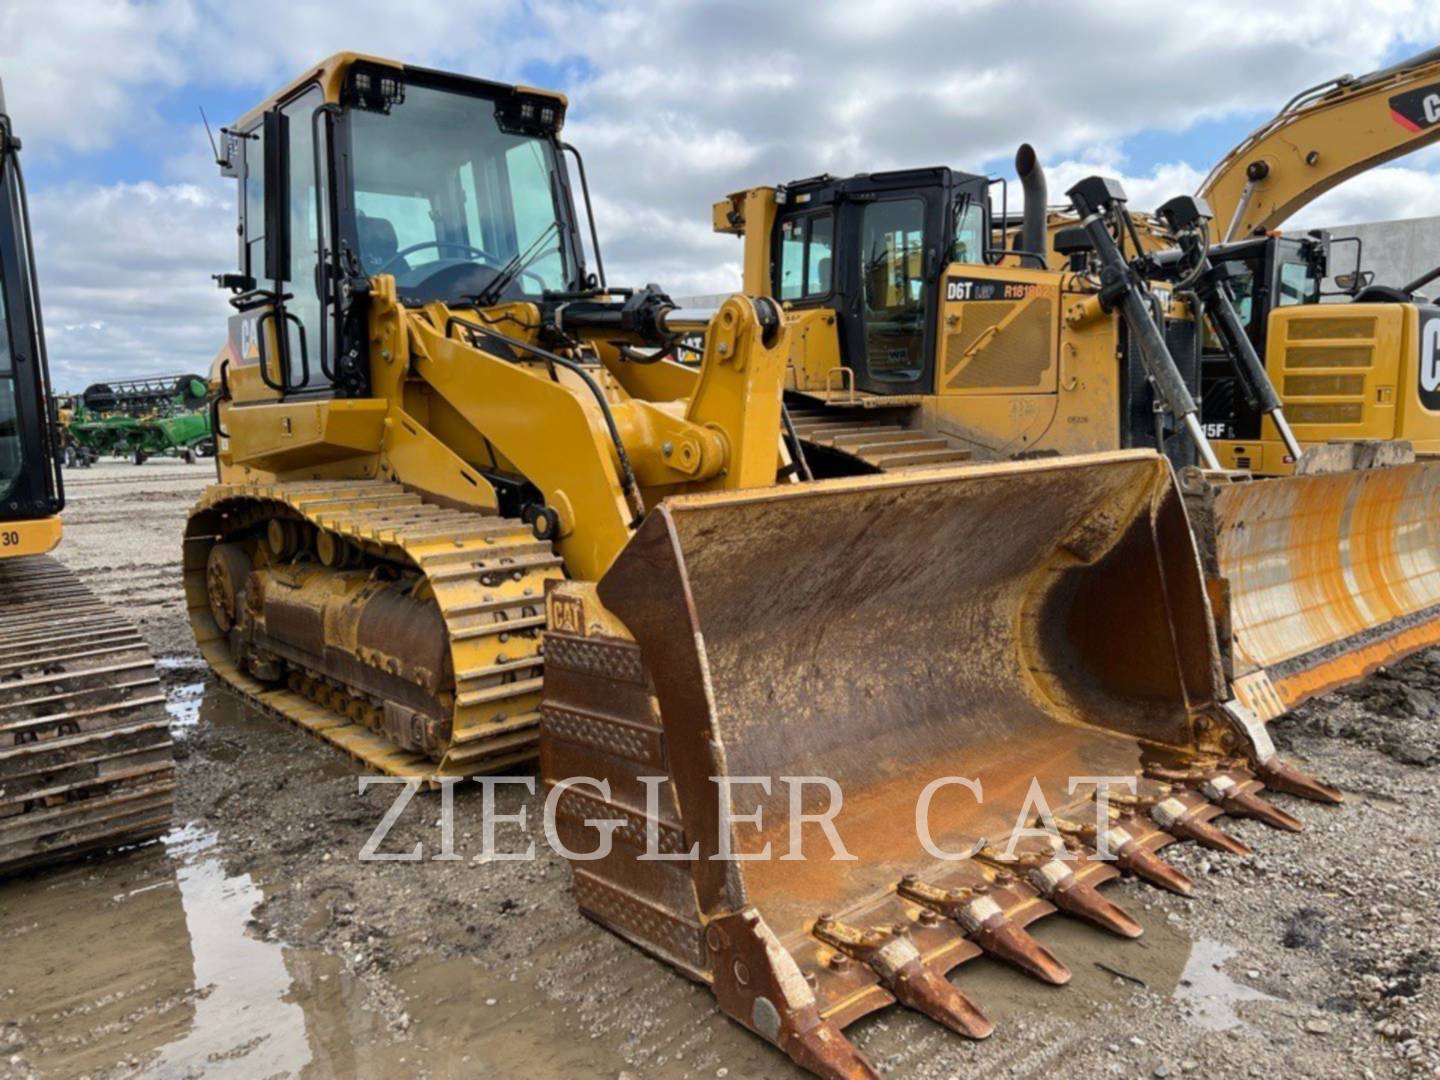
(254, 942)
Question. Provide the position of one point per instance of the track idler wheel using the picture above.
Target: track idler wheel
(226, 570)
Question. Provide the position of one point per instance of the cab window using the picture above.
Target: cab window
(805, 246)
(969, 246)
(1298, 285)
(10, 457)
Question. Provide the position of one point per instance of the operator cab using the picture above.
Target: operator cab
(30, 484)
(1275, 271)
(452, 185)
(873, 247)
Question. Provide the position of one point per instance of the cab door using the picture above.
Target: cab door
(30, 484)
(888, 329)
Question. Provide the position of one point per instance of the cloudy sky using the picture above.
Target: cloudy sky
(673, 105)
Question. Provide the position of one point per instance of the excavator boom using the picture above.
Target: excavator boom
(1321, 138)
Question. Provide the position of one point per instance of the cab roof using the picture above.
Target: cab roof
(330, 74)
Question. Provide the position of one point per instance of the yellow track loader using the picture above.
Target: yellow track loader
(440, 433)
(85, 754)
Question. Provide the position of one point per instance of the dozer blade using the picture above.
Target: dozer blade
(1329, 576)
(855, 648)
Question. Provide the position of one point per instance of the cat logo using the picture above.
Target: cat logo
(1417, 110)
(1430, 363)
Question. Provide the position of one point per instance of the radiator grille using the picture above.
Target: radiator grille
(1328, 356)
(1334, 328)
(1016, 355)
(1324, 414)
(1324, 385)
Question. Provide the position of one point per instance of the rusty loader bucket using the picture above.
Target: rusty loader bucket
(1324, 576)
(810, 734)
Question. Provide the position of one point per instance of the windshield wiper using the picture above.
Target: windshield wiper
(514, 268)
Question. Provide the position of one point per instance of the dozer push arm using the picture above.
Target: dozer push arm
(1321, 138)
(1094, 199)
(1188, 217)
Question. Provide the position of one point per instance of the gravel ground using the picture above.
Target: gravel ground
(1317, 956)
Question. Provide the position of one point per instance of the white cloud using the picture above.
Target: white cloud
(1409, 189)
(124, 278)
(675, 104)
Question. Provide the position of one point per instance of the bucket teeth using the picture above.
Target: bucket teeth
(1235, 790)
(1130, 855)
(1176, 815)
(1242, 799)
(1282, 776)
(985, 924)
(928, 992)
(821, 1048)
(902, 971)
(1010, 943)
(1207, 835)
(1085, 902)
(1055, 879)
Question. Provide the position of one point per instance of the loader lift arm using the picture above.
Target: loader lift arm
(1321, 138)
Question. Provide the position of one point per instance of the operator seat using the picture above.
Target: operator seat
(378, 244)
(822, 273)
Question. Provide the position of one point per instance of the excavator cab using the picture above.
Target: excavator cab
(31, 492)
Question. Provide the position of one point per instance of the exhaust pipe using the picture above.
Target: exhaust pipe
(1032, 180)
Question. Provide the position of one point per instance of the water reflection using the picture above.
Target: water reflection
(1206, 994)
(245, 1022)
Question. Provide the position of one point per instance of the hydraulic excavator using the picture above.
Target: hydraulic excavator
(442, 435)
(1359, 370)
(85, 753)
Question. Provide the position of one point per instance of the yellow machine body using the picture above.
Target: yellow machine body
(1347, 372)
(480, 464)
(34, 537)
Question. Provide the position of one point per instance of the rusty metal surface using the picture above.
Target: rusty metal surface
(85, 755)
(1020, 625)
(1330, 576)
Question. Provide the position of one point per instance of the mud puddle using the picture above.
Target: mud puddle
(1207, 995)
(145, 963)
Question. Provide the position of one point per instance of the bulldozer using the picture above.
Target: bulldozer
(977, 349)
(85, 756)
(474, 503)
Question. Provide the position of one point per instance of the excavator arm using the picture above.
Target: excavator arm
(1322, 137)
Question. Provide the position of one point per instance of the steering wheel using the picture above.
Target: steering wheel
(440, 245)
